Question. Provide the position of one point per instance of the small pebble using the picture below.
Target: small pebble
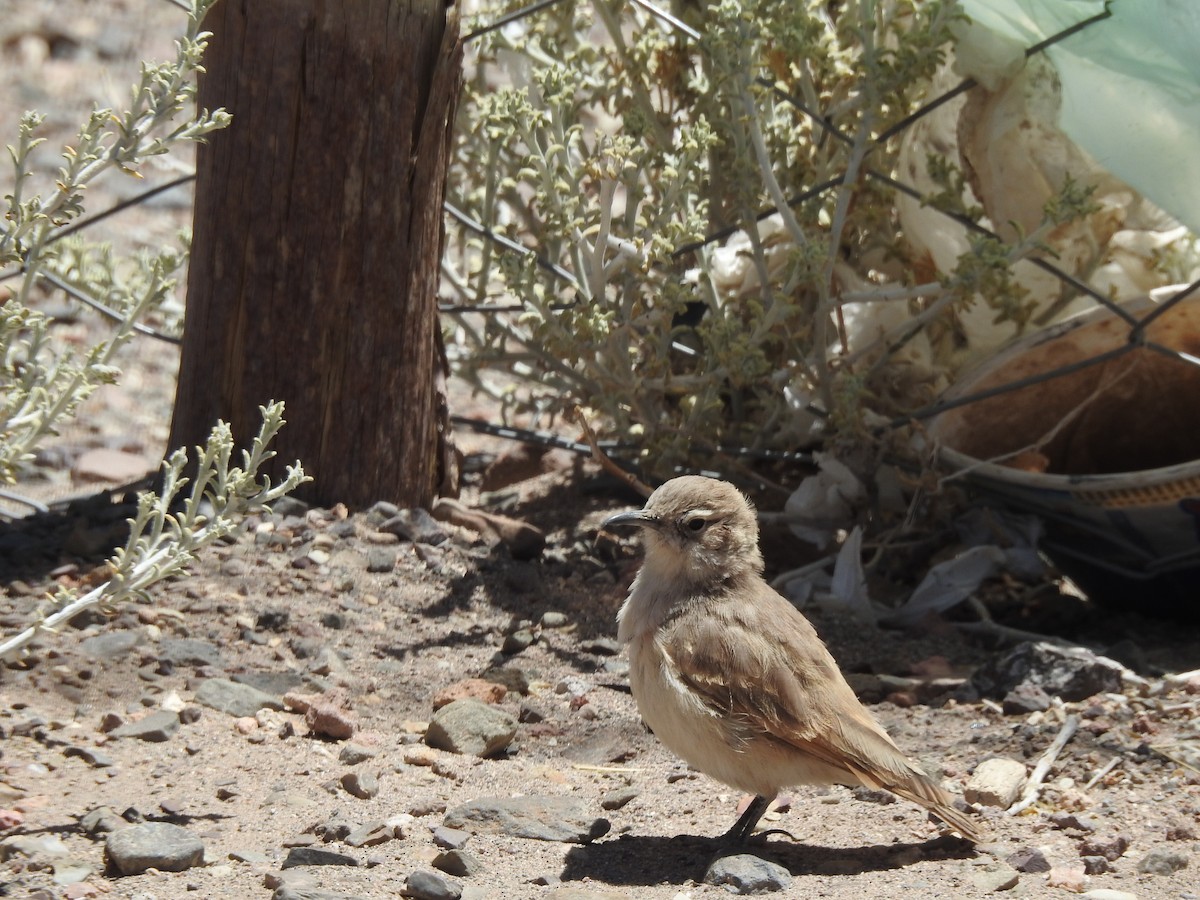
(363, 785)
(1029, 859)
(353, 754)
(996, 782)
(450, 838)
(516, 642)
(432, 886)
(1110, 846)
(1162, 861)
(381, 559)
(745, 873)
(460, 863)
(618, 798)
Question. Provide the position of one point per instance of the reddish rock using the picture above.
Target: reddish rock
(103, 464)
(1070, 878)
(1110, 846)
(324, 714)
(330, 720)
(472, 689)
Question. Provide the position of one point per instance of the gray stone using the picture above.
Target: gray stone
(1095, 865)
(1025, 698)
(531, 713)
(101, 820)
(353, 754)
(381, 511)
(110, 645)
(91, 756)
(370, 835)
(236, 699)
(450, 838)
(469, 726)
(745, 873)
(599, 747)
(28, 726)
(461, 863)
(996, 782)
(362, 785)
(189, 652)
(251, 857)
(618, 798)
(277, 683)
(573, 892)
(415, 525)
(602, 646)
(273, 620)
(1074, 821)
(153, 845)
(42, 848)
(381, 559)
(519, 640)
(296, 892)
(327, 662)
(1070, 673)
(431, 886)
(288, 506)
(539, 818)
(511, 677)
(994, 876)
(1110, 846)
(1029, 859)
(1162, 862)
(71, 871)
(335, 829)
(1109, 894)
(156, 728)
(315, 856)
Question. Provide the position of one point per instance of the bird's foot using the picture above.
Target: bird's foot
(743, 828)
(762, 836)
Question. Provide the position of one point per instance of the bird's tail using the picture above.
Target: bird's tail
(939, 802)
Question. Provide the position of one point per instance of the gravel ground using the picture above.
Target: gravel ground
(332, 782)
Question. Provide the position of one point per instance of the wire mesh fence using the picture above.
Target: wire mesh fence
(824, 128)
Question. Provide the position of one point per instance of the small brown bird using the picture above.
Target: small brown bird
(732, 678)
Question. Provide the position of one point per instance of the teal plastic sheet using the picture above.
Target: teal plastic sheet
(1130, 86)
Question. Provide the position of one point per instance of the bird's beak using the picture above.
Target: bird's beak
(635, 517)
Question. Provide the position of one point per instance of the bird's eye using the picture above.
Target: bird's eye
(696, 524)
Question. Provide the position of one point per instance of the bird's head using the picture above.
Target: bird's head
(697, 529)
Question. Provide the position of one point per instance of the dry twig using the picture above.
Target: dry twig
(1104, 770)
(601, 457)
(1042, 769)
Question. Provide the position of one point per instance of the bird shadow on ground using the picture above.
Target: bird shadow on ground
(655, 859)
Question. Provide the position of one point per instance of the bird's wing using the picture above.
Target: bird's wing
(760, 666)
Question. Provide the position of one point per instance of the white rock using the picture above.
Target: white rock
(996, 782)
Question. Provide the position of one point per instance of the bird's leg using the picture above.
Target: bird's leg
(744, 826)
